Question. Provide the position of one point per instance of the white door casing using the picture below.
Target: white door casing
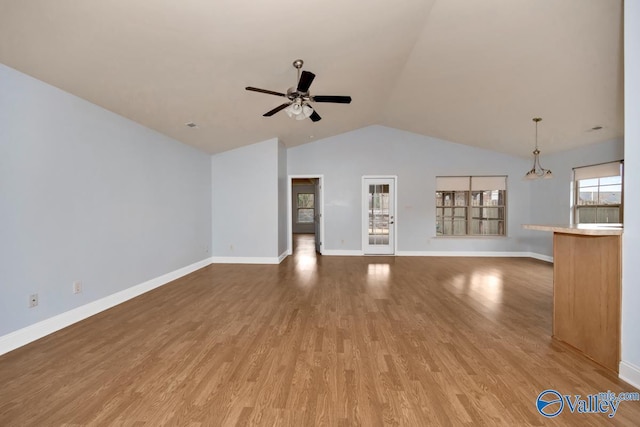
(378, 215)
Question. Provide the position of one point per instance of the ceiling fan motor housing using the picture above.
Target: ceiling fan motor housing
(293, 94)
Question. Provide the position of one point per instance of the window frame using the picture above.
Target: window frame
(469, 206)
(299, 208)
(453, 207)
(576, 194)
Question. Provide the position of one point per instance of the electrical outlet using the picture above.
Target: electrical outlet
(77, 287)
(33, 300)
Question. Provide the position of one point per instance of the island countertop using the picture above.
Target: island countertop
(582, 229)
(587, 288)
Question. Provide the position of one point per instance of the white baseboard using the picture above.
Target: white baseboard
(48, 326)
(250, 259)
(629, 373)
(541, 257)
(477, 254)
(461, 253)
(245, 260)
(340, 252)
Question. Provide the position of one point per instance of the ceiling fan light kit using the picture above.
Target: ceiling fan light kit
(299, 111)
(537, 171)
(298, 106)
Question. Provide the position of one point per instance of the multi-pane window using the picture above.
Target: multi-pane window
(471, 205)
(452, 213)
(305, 207)
(598, 194)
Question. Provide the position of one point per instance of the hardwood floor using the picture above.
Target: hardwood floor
(335, 341)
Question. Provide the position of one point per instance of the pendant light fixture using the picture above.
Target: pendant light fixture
(537, 171)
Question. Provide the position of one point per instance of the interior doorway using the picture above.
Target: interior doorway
(305, 204)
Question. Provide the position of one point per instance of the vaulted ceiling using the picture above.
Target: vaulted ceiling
(472, 72)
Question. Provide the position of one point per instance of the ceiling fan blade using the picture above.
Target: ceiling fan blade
(331, 98)
(305, 81)
(275, 110)
(315, 116)
(270, 92)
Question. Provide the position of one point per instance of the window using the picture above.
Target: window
(598, 194)
(471, 205)
(306, 210)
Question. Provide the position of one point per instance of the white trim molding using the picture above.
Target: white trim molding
(501, 254)
(541, 257)
(247, 259)
(48, 326)
(342, 252)
(629, 373)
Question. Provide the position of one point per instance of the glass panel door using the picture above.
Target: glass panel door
(379, 217)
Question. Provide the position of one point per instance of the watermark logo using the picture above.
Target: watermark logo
(550, 403)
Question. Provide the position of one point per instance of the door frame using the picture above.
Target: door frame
(319, 209)
(365, 213)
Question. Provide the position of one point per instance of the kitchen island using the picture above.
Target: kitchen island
(587, 288)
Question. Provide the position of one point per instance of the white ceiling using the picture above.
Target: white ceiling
(473, 72)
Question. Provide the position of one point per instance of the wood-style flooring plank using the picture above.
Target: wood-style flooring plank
(336, 341)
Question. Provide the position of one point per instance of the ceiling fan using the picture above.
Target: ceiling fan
(298, 97)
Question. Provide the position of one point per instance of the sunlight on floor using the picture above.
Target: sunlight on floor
(378, 280)
(488, 285)
(485, 286)
(305, 261)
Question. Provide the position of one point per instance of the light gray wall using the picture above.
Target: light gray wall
(88, 195)
(283, 182)
(246, 201)
(631, 236)
(300, 228)
(551, 198)
(416, 160)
